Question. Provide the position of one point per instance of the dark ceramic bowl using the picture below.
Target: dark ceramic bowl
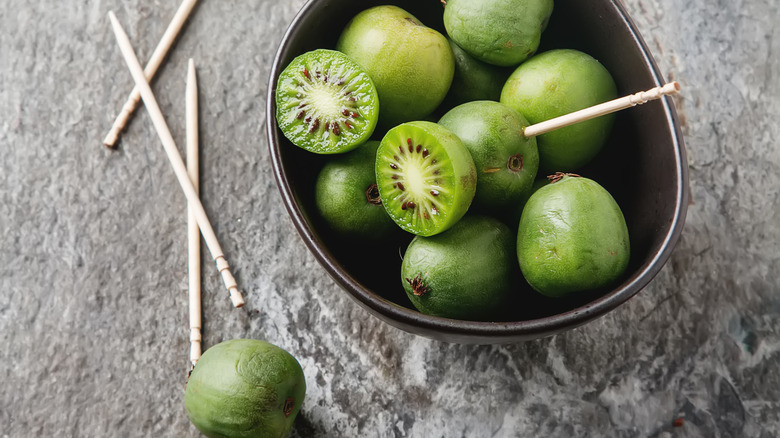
(643, 166)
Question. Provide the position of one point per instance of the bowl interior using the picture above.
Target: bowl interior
(642, 166)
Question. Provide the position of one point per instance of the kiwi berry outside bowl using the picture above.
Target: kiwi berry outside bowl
(643, 166)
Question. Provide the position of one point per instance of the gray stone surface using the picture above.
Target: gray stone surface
(93, 318)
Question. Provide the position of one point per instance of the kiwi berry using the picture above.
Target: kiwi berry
(506, 160)
(410, 63)
(572, 237)
(426, 177)
(326, 103)
(347, 197)
(468, 272)
(473, 79)
(559, 82)
(245, 388)
(499, 32)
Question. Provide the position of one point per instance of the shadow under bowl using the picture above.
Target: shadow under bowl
(643, 166)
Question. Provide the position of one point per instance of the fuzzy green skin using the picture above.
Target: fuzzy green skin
(340, 195)
(473, 80)
(499, 32)
(559, 82)
(513, 215)
(493, 133)
(410, 64)
(239, 387)
(458, 176)
(572, 237)
(468, 270)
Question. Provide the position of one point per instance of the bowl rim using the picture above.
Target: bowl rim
(443, 328)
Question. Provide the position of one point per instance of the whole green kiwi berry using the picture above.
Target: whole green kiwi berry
(572, 237)
(506, 160)
(245, 388)
(559, 82)
(499, 32)
(466, 272)
(347, 196)
(473, 79)
(410, 64)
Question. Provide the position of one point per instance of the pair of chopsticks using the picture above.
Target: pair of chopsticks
(170, 34)
(187, 176)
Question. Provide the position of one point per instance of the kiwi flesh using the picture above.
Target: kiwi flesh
(425, 176)
(326, 103)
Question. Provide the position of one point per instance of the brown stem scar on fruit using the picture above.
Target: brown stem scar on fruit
(372, 195)
(288, 407)
(419, 288)
(515, 163)
(558, 175)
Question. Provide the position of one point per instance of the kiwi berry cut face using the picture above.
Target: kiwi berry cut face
(326, 103)
(425, 176)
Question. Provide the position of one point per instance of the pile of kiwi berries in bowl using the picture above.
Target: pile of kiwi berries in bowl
(396, 132)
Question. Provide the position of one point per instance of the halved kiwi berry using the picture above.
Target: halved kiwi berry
(426, 177)
(326, 103)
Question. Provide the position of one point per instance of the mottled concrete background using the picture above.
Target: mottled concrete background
(93, 318)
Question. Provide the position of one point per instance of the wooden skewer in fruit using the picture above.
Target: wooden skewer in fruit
(601, 109)
(176, 161)
(151, 69)
(193, 233)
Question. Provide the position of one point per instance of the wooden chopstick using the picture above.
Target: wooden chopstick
(170, 34)
(193, 233)
(176, 161)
